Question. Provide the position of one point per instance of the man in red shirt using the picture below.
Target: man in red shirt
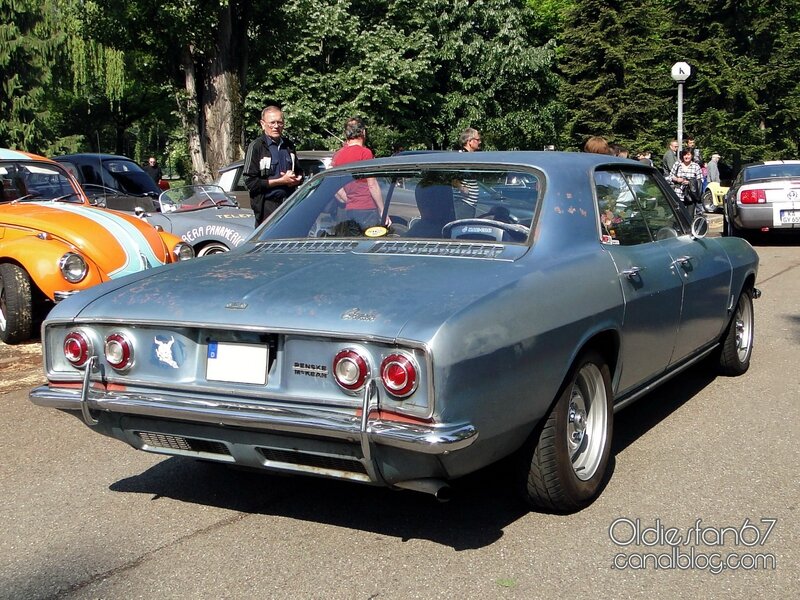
(362, 198)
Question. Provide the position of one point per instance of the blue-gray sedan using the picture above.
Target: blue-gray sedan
(406, 321)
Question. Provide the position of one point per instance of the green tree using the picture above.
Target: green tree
(418, 80)
(29, 47)
(615, 58)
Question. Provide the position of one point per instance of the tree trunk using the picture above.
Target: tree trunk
(192, 123)
(216, 84)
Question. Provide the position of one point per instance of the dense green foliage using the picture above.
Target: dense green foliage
(185, 79)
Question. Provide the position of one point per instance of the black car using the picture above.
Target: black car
(100, 173)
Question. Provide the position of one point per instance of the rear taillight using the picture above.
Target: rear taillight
(753, 197)
(77, 348)
(350, 369)
(399, 375)
(119, 351)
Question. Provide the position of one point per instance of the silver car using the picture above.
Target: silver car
(231, 177)
(764, 197)
(205, 217)
(411, 341)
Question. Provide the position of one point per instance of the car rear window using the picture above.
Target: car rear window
(771, 171)
(433, 204)
(23, 180)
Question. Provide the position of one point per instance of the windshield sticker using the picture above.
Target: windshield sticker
(377, 231)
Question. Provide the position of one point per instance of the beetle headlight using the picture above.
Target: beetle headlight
(183, 251)
(73, 267)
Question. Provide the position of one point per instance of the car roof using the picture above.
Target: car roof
(92, 156)
(7, 154)
(546, 160)
(301, 154)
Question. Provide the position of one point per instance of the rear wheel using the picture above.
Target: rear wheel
(568, 460)
(730, 229)
(16, 304)
(737, 345)
(212, 248)
(708, 202)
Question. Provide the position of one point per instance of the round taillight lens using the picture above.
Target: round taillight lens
(119, 351)
(350, 370)
(399, 374)
(77, 348)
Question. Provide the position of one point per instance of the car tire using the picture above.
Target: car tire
(16, 304)
(569, 456)
(212, 248)
(737, 344)
(708, 202)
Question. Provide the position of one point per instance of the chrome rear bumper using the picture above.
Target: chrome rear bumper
(434, 438)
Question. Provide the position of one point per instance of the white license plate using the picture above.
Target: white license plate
(790, 216)
(237, 363)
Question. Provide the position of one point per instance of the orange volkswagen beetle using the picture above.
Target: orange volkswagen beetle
(54, 244)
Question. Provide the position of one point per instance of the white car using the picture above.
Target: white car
(764, 197)
(231, 177)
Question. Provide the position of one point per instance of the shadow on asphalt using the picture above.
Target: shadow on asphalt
(484, 503)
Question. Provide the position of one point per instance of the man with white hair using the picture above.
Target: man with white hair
(713, 169)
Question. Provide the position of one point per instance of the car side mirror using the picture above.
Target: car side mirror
(699, 227)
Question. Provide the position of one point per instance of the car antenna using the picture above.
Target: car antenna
(100, 169)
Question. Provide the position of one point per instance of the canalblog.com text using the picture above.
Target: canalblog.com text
(655, 546)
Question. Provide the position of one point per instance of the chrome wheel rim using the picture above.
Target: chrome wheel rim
(743, 322)
(2, 307)
(587, 417)
(212, 249)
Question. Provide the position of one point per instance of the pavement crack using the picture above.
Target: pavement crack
(76, 587)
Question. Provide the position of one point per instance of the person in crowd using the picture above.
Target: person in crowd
(713, 168)
(270, 166)
(687, 173)
(670, 158)
(469, 140)
(362, 199)
(697, 156)
(597, 145)
(468, 190)
(153, 170)
(645, 157)
(619, 150)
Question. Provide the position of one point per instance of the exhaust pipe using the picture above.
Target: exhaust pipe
(435, 487)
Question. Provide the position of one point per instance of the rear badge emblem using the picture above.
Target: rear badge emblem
(354, 314)
(164, 352)
(792, 195)
(236, 305)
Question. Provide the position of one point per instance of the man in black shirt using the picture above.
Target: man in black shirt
(270, 166)
(153, 170)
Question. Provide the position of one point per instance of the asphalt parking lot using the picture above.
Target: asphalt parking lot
(712, 460)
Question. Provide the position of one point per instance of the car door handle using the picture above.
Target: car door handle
(632, 273)
(683, 261)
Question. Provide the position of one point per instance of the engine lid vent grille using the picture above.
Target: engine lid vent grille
(305, 247)
(440, 249)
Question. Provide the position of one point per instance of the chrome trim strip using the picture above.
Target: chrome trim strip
(438, 438)
(667, 376)
(59, 296)
(265, 329)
